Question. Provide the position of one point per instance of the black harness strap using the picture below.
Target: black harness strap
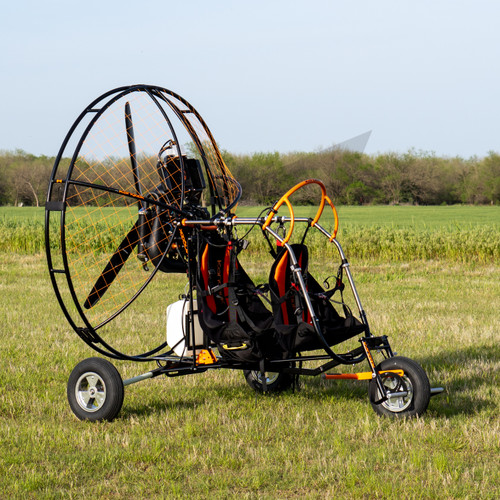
(234, 283)
(233, 303)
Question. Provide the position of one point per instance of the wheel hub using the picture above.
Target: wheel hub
(395, 384)
(90, 392)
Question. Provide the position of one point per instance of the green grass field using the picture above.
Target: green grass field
(460, 233)
(209, 436)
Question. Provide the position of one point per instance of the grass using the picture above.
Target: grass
(458, 233)
(404, 216)
(209, 436)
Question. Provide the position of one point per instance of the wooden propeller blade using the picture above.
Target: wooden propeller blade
(113, 267)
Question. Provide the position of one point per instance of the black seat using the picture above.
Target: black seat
(230, 310)
(292, 318)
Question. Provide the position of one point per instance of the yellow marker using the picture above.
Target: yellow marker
(359, 376)
(206, 357)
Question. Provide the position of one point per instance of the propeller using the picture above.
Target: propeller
(133, 238)
(131, 148)
(129, 126)
(113, 267)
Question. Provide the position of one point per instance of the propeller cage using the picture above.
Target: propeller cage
(136, 162)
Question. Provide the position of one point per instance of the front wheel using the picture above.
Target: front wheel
(414, 383)
(95, 390)
(275, 381)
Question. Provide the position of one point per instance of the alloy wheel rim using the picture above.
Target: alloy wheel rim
(398, 384)
(90, 392)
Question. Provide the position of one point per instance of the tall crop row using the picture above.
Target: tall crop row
(458, 244)
(473, 244)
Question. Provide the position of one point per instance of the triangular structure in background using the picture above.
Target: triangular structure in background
(356, 144)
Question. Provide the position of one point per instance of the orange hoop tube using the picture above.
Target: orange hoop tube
(284, 199)
(280, 202)
(335, 216)
(292, 220)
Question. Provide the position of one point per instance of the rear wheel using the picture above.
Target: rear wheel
(275, 381)
(95, 390)
(414, 385)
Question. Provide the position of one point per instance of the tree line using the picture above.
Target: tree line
(351, 178)
(356, 178)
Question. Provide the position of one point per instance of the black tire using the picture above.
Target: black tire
(414, 381)
(95, 390)
(275, 381)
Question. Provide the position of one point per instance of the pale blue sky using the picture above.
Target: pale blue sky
(267, 75)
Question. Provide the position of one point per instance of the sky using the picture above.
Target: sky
(266, 75)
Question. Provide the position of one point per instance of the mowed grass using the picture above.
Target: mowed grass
(209, 436)
(402, 216)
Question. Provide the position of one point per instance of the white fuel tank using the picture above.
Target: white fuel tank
(177, 317)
